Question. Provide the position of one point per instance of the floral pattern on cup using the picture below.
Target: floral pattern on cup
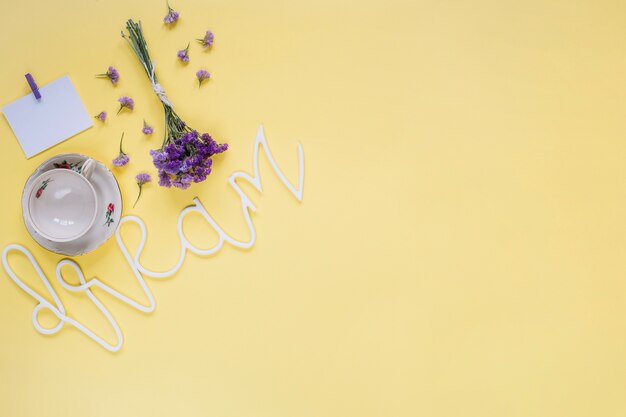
(42, 187)
(74, 166)
(109, 215)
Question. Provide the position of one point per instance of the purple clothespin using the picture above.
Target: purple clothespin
(33, 86)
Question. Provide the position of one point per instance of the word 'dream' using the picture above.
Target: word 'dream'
(85, 286)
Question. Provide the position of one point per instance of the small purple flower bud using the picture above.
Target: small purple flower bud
(122, 159)
(102, 116)
(143, 178)
(207, 40)
(125, 102)
(183, 54)
(202, 75)
(147, 130)
(171, 17)
(111, 74)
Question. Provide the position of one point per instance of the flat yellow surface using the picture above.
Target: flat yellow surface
(458, 251)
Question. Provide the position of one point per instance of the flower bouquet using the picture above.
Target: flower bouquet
(185, 155)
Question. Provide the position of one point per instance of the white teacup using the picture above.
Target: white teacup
(62, 203)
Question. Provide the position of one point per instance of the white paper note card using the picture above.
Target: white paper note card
(41, 124)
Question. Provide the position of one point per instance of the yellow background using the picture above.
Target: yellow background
(459, 249)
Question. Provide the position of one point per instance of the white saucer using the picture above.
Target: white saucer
(109, 195)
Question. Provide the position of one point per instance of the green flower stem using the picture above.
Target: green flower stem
(122, 140)
(139, 195)
(174, 126)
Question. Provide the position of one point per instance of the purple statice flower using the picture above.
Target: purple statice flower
(122, 159)
(171, 17)
(183, 54)
(147, 130)
(172, 167)
(125, 102)
(111, 74)
(202, 75)
(186, 160)
(102, 116)
(164, 180)
(141, 179)
(208, 39)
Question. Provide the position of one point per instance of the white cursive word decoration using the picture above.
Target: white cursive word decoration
(57, 308)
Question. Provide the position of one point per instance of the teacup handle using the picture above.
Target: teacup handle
(87, 169)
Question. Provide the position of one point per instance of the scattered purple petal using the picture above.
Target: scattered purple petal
(171, 17)
(147, 130)
(112, 74)
(125, 102)
(102, 116)
(122, 159)
(202, 75)
(183, 54)
(143, 178)
(207, 40)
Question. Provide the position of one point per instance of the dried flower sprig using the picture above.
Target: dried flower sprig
(183, 54)
(126, 103)
(185, 155)
(141, 179)
(147, 130)
(112, 74)
(207, 40)
(121, 159)
(172, 15)
(102, 116)
(202, 75)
